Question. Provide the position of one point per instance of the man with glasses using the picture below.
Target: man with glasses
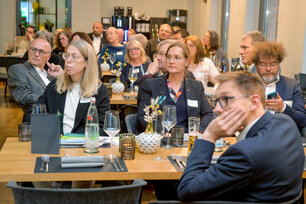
(287, 97)
(265, 165)
(28, 81)
(165, 32)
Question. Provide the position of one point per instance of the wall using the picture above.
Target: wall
(237, 21)
(291, 32)
(201, 18)
(84, 14)
(7, 22)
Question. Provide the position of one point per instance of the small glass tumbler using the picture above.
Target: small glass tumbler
(24, 132)
(127, 145)
(39, 109)
(177, 135)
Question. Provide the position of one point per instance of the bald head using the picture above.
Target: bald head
(120, 34)
(97, 29)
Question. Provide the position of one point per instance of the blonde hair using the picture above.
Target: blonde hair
(90, 81)
(136, 43)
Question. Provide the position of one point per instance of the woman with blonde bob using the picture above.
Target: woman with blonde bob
(70, 94)
(136, 59)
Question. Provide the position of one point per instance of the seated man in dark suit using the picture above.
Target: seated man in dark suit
(289, 100)
(28, 81)
(265, 165)
(98, 37)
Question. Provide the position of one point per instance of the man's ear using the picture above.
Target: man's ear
(255, 101)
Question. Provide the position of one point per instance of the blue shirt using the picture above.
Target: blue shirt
(119, 51)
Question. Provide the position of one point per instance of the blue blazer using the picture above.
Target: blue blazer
(266, 166)
(152, 88)
(124, 77)
(290, 90)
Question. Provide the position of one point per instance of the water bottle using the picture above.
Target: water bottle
(92, 128)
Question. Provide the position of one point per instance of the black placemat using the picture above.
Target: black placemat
(164, 143)
(176, 166)
(107, 145)
(55, 166)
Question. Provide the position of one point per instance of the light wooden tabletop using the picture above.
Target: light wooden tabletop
(118, 99)
(17, 164)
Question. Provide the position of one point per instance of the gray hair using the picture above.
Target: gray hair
(140, 38)
(256, 36)
(44, 34)
(164, 42)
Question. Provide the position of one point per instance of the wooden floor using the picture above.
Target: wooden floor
(11, 115)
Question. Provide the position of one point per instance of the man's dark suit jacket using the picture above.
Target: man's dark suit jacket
(55, 103)
(266, 166)
(290, 90)
(103, 39)
(152, 88)
(151, 48)
(55, 59)
(25, 86)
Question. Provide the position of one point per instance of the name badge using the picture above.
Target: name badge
(84, 100)
(135, 71)
(119, 53)
(289, 103)
(192, 103)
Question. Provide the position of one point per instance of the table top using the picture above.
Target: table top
(108, 73)
(118, 99)
(17, 164)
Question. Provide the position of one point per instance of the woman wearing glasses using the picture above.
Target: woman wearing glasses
(70, 94)
(136, 60)
(186, 94)
(202, 68)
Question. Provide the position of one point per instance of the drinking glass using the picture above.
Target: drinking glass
(193, 131)
(39, 109)
(111, 127)
(132, 77)
(159, 131)
(169, 121)
(112, 59)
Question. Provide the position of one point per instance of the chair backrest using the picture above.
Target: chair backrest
(131, 123)
(118, 194)
(302, 77)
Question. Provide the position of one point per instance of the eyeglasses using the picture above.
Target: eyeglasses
(40, 52)
(175, 58)
(265, 65)
(73, 58)
(133, 49)
(223, 100)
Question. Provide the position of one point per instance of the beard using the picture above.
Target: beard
(269, 78)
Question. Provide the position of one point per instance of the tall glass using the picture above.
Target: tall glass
(132, 77)
(112, 59)
(159, 132)
(193, 130)
(111, 127)
(169, 121)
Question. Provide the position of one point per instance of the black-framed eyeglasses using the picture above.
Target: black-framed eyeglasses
(40, 52)
(223, 100)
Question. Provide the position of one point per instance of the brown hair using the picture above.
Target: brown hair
(200, 50)
(67, 32)
(247, 82)
(269, 50)
(83, 36)
(213, 40)
(181, 45)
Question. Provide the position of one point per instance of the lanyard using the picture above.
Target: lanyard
(141, 69)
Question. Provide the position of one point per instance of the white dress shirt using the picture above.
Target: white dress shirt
(43, 75)
(96, 43)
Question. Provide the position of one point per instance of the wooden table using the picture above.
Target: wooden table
(9, 60)
(118, 99)
(108, 73)
(17, 164)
